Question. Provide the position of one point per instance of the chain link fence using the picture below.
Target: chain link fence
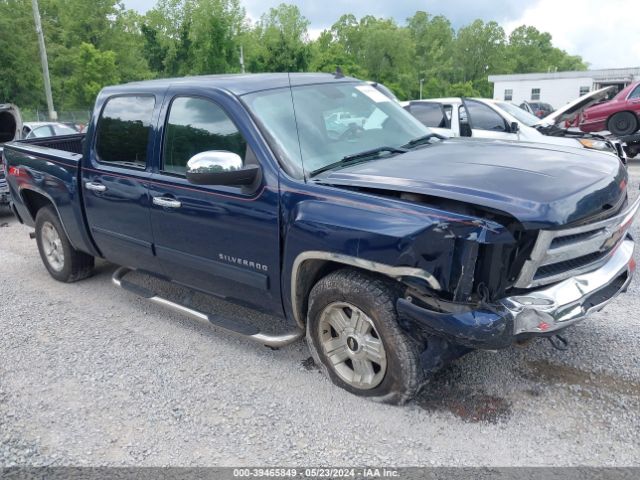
(65, 116)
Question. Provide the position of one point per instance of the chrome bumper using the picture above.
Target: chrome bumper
(539, 312)
(558, 306)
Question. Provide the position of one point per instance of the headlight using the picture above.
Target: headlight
(596, 144)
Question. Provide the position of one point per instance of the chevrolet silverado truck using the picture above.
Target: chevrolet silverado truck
(392, 250)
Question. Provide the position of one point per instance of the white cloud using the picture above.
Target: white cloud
(604, 33)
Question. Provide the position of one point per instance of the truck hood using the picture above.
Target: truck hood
(542, 186)
(572, 109)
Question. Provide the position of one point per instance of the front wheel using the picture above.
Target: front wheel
(354, 336)
(623, 123)
(63, 262)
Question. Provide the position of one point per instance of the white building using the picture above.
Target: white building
(558, 88)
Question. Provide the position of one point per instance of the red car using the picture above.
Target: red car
(620, 115)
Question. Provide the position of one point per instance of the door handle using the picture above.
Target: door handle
(96, 187)
(166, 202)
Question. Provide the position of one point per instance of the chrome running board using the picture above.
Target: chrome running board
(232, 326)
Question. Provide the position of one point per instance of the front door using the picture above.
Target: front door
(484, 122)
(218, 239)
(115, 182)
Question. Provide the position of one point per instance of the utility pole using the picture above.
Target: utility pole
(421, 82)
(241, 59)
(43, 59)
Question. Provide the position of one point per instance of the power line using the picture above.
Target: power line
(43, 59)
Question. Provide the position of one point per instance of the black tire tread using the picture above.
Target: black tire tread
(80, 265)
(610, 120)
(384, 295)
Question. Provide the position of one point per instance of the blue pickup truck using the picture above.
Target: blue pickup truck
(392, 249)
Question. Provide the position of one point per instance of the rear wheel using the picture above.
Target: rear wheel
(623, 123)
(354, 336)
(63, 262)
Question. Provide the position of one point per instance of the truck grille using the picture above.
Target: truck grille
(561, 254)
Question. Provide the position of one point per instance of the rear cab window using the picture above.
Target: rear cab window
(123, 130)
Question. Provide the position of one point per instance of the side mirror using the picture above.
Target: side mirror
(514, 127)
(219, 167)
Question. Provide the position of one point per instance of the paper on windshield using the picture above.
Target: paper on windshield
(373, 94)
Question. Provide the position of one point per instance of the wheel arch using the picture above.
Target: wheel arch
(34, 201)
(309, 267)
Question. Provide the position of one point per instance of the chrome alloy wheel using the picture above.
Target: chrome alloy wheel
(352, 345)
(52, 246)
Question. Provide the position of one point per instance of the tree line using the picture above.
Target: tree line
(98, 43)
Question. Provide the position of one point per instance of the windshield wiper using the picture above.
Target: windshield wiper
(357, 158)
(423, 139)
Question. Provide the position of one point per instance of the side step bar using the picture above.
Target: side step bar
(243, 329)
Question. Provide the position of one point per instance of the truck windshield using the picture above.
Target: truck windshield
(312, 126)
(522, 116)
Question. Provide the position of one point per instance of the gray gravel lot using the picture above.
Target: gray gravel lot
(93, 375)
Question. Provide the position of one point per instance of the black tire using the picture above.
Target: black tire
(375, 297)
(622, 123)
(75, 265)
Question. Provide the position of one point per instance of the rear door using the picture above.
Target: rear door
(115, 180)
(222, 240)
(433, 115)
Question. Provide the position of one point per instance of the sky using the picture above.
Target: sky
(602, 32)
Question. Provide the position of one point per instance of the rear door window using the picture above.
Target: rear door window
(123, 130)
(430, 114)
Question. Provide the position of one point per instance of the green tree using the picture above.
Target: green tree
(214, 29)
(282, 34)
(462, 89)
(386, 49)
(479, 51)
(433, 38)
(92, 44)
(20, 73)
(127, 43)
(92, 70)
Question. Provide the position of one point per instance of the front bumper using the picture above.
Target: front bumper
(537, 313)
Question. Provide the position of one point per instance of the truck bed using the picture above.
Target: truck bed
(66, 143)
(48, 170)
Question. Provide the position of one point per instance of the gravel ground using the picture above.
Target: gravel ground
(93, 375)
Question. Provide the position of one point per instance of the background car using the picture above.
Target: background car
(485, 118)
(46, 129)
(620, 115)
(539, 109)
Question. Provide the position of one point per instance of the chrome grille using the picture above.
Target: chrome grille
(561, 254)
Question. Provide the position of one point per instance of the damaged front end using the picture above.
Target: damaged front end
(566, 275)
(520, 240)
